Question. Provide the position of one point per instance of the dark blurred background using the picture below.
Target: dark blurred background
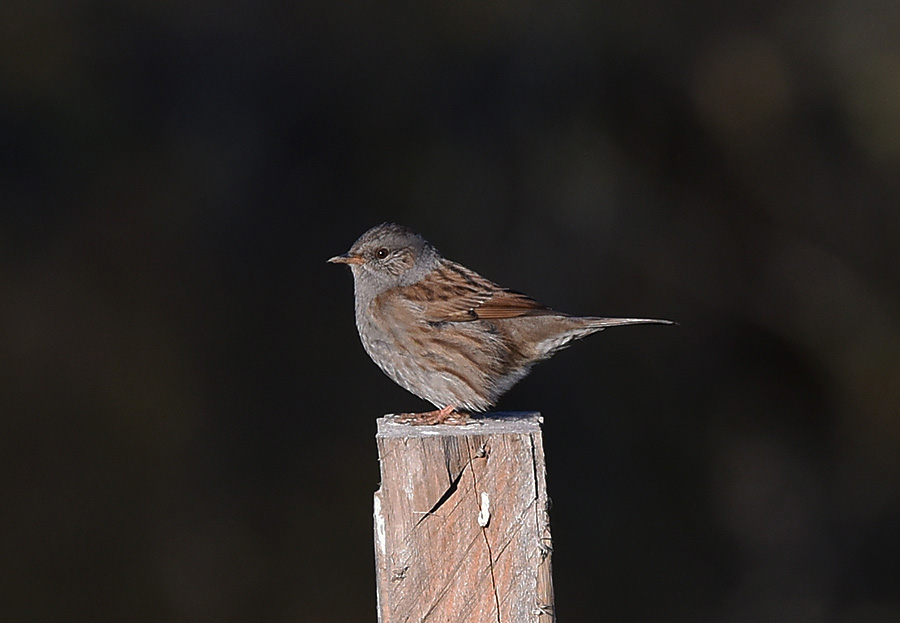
(188, 415)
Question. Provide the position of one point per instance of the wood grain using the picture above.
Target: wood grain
(461, 526)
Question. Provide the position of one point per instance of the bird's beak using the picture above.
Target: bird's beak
(346, 258)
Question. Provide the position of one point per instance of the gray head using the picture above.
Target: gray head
(388, 255)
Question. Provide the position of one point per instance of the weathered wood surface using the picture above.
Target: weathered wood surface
(462, 532)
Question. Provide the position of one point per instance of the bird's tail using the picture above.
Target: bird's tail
(563, 330)
(602, 323)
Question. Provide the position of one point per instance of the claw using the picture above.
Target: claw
(447, 415)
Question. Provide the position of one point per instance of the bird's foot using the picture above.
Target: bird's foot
(447, 415)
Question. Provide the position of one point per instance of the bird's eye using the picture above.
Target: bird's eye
(381, 253)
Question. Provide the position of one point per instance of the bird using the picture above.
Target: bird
(445, 333)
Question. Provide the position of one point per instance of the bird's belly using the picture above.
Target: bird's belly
(433, 371)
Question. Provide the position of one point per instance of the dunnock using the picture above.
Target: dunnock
(444, 332)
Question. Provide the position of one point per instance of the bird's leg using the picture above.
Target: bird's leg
(442, 416)
(447, 415)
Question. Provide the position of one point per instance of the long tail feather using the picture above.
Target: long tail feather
(615, 322)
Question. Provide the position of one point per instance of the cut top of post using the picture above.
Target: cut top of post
(515, 422)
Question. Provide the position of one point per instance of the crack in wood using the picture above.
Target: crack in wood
(487, 543)
(454, 485)
(454, 480)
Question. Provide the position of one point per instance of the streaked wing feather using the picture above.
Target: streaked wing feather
(510, 304)
(453, 293)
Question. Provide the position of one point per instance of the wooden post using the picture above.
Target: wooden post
(462, 533)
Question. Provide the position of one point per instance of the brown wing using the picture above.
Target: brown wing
(453, 293)
(510, 304)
